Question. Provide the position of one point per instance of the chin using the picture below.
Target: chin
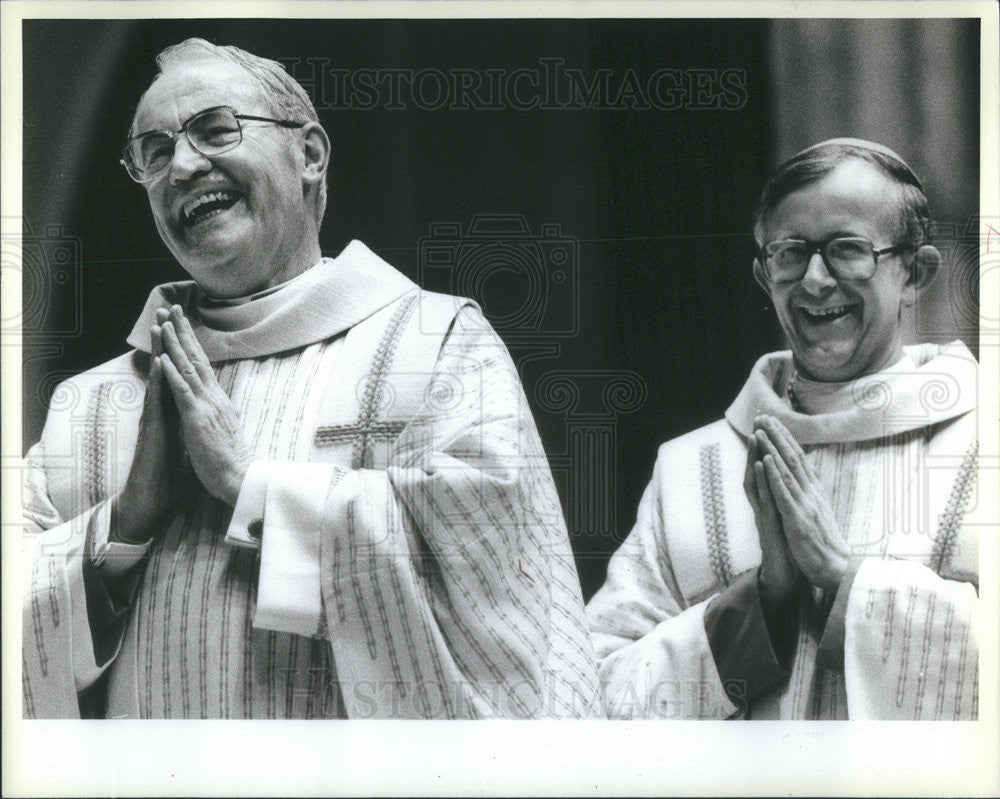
(831, 367)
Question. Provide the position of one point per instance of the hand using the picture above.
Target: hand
(779, 574)
(151, 485)
(812, 532)
(209, 424)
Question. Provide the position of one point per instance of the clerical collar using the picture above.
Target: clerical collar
(324, 301)
(813, 397)
(205, 301)
(931, 384)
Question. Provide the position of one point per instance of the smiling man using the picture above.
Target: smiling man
(808, 556)
(311, 490)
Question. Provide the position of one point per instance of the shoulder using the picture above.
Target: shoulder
(119, 383)
(714, 452)
(440, 312)
(719, 434)
(456, 322)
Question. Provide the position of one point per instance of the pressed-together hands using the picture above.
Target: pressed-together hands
(151, 485)
(184, 401)
(799, 536)
(209, 423)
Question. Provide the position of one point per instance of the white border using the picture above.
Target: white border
(491, 758)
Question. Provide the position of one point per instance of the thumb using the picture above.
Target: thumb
(154, 386)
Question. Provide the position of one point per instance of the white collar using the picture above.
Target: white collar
(933, 383)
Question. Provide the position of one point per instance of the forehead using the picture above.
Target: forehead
(186, 88)
(855, 198)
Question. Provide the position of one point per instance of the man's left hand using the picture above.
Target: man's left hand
(813, 535)
(209, 423)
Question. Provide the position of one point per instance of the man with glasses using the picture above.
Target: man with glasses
(809, 556)
(332, 500)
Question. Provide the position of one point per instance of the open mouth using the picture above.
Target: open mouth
(823, 315)
(205, 206)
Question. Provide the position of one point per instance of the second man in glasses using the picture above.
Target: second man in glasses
(810, 556)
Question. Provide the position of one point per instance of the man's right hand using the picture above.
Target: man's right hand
(779, 574)
(149, 488)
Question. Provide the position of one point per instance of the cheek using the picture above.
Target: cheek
(157, 208)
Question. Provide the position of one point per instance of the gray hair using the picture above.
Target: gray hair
(816, 162)
(282, 94)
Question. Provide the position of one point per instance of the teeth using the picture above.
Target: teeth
(825, 311)
(211, 196)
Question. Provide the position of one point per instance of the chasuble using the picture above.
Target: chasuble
(397, 549)
(678, 627)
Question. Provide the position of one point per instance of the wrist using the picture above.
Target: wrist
(780, 616)
(774, 592)
(235, 484)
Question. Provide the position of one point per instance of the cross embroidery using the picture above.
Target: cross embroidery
(366, 430)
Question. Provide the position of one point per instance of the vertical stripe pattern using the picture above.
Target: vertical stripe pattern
(199, 655)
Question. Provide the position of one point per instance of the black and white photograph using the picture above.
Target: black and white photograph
(559, 389)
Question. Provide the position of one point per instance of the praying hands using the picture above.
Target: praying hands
(798, 533)
(209, 424)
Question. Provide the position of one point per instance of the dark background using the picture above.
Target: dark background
(657, 319)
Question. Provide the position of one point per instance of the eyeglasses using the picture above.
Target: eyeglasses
(209, 132)
(847, 258)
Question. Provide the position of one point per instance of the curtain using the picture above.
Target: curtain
(912, 85)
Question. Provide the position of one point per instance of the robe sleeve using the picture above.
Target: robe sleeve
(909, 643)
(445, 581)
(655, 656)
(280, 512)
(72, 622)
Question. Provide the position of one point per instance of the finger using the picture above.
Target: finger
(152, 397)
(785, 435)
(162, 314)
(179, 358)
(156, 340)
(751, 458)
(778, 484)
(751, 489)
(784, 443)
(179, 387)
(764, 496)
(790, 464)
(767, 513)
(192, 347)
(765, 446)
(155, 378)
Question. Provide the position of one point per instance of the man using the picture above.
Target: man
(808, 556)
(332, 500)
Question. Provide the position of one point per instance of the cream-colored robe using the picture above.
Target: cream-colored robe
(397, 549)
(897, 454)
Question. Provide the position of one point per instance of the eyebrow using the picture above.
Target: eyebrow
(186, 120)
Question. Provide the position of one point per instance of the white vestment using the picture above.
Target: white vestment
(897, 454)
(397, 548)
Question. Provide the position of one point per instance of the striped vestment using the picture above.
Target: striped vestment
(399, 452)
(897, 459)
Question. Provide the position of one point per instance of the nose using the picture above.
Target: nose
(817, 278)
(187, 161)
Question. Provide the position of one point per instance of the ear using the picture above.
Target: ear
(316, 153)
(758, 275)
(923, 271)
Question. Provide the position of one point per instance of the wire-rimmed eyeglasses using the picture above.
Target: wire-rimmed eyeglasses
(210, 132)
